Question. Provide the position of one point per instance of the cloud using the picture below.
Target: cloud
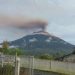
(59, 13)
(65, 32)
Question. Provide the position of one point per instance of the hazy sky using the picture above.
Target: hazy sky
(59, 13)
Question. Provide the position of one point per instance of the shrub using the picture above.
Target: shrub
(46, 56)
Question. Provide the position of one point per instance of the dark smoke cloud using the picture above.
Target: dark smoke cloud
(22, 22)
(34, 24)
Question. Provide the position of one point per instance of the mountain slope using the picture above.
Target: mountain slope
(42, 43)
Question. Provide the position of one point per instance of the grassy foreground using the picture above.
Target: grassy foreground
(9, 70)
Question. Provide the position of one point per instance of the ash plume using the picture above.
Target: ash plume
(23, 23)
(34, 24)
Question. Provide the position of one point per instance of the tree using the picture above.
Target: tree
(13, 51)
(5, 47)
(1, 50)
(59, 54)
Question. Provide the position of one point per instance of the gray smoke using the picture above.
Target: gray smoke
(23, 23)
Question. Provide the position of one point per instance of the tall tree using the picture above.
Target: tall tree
(5, 47)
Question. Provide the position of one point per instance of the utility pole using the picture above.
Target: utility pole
(31, 65)
(17, 65)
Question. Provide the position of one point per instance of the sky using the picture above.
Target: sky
(60, 15)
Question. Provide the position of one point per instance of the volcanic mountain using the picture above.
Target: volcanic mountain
(42, 43)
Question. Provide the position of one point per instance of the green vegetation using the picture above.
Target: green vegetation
(6, 70)
(5, 47)
(59, 54)
(13, 51)
(10, 70)
(51, 56)
(10, 51)
(46, 56)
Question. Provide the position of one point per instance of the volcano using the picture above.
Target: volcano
(42, 43)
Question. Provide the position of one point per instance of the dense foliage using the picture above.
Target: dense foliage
(10, 70)
(6, 70)
(10, 51)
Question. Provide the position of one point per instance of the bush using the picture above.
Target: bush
(7, 70)
(46, 56)
(13, 51)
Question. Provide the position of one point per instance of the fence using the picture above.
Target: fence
(47, 65)
(29, 64)
(9, 65)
